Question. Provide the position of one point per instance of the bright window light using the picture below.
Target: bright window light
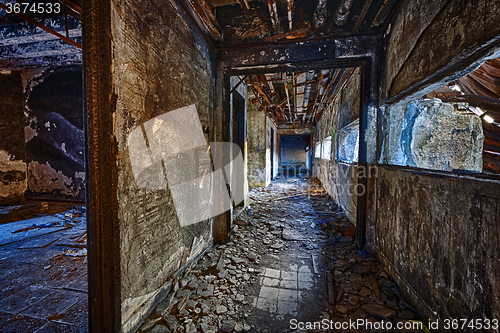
(488, 119)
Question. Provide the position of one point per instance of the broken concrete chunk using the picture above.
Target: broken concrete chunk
(380, 311)
(159, 329)
(204, 327)
(191, 328)
(221, 309)
(341, 309)
(364, 292)
(227, 326)
(150, 323)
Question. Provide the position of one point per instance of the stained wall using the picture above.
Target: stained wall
(12, 148)
(339, 178)
(175, 72)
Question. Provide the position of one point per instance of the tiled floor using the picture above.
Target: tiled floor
(41, 288)
(281, 291)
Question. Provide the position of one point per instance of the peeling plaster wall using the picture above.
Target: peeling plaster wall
(439, 233)
(12, 148)
(426, 36)
(176, 71)
(340, 179)
(55, 141)
(430, 134)
(257, 144)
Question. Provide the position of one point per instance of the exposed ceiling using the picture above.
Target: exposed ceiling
(29, 9)
(246, 22)
(296, 100)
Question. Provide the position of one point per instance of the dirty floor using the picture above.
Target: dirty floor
(43, 269)
(291, 263)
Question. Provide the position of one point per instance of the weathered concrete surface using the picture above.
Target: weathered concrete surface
(256, 129)
(431, 134)
(12, 147)
(174, 72)
(262, 136)
(427, 39)
(340, 179)
(55, 142)
(439, 234)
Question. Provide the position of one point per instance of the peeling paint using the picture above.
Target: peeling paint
(44, 178)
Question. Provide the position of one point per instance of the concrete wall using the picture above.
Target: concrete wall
(175, 72)
(55, 141)
(12, 147)
(256, 144)
(439, 234)
(426, 38)
(340, 179)
(259, 143)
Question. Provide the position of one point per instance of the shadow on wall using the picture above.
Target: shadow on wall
(55, 141)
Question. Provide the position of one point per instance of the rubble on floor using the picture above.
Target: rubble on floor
(291, 257)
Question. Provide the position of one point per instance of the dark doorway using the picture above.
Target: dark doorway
(272, 153)
(294, 155)
(239, 121)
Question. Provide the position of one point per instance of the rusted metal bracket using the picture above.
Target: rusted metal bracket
(41, 26)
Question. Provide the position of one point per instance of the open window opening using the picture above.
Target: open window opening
(454, 128)
(43, 237)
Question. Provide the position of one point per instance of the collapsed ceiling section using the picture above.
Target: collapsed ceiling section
(296, 99)
(239, 22)
(35, 33)
(481, 90)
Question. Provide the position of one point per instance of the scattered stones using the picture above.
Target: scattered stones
(221, 291)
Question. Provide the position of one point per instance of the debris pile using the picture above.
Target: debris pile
(270, 237)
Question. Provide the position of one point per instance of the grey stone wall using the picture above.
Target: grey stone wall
(438, 233)
(167, 68)
(12, 147)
